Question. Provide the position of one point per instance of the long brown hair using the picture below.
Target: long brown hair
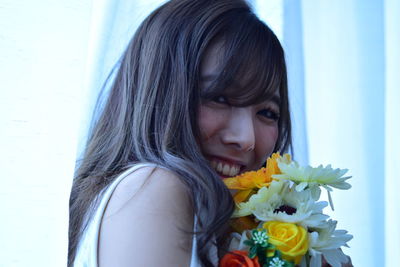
(150, 114)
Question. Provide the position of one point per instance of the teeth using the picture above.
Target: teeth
(233, 171)
(219, 167)
(225, 169)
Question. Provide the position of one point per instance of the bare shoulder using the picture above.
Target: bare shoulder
(148, 184)
(147, 221)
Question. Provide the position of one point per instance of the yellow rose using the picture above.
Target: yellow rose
(290, 239)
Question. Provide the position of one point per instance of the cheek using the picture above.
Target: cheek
(208, 122)
(266, 138)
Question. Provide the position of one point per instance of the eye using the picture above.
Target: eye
(220, 100)
(269, 114)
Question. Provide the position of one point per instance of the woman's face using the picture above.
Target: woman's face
(235, 139)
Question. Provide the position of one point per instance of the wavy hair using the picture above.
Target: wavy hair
(150, 114)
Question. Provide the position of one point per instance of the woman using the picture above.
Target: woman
(200, 95)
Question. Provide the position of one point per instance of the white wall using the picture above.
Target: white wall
(43, 51)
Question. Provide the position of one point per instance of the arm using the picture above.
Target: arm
(146, 222)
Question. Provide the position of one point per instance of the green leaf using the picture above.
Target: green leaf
(262, 255)
(289, 264)
(253, 252)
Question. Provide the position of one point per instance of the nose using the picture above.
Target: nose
(239, 131)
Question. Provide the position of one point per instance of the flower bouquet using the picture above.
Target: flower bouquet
(279, 220)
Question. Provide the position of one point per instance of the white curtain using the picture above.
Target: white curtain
(392, 130)
(351, 52)
(43, 49)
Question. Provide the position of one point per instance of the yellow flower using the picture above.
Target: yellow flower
(247, 182)
(290, 239)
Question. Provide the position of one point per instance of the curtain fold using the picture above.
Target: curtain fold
(392, 131)
(293, 44)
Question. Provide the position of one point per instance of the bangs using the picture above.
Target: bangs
(252, 64)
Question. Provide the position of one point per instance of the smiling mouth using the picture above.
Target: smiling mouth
(225, 169)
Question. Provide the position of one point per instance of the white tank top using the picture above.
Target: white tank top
(86, 254)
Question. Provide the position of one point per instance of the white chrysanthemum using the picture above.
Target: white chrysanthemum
(272, 204)
(306, 211)
(327, 242)
(312, 178)
(263, 195)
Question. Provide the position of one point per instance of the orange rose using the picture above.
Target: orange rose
(238, 258)
(248, 183)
